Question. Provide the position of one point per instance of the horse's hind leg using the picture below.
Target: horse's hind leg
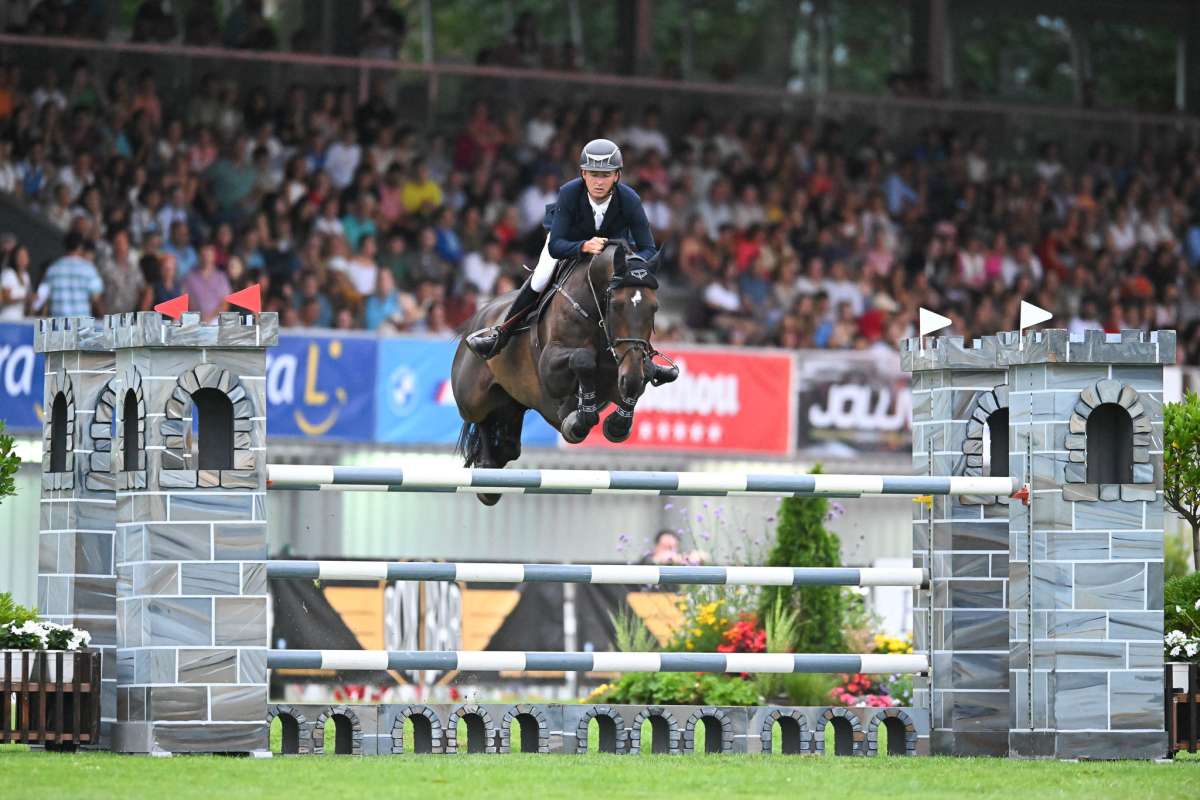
(508, 422)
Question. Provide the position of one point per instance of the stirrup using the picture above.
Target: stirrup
(488, 342)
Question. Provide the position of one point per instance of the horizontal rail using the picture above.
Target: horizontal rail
(518, 661)
(423, 477)
(259, 59)
(639, 574)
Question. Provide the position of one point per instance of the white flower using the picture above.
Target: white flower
(1175, 651)
(1198, 603)
(1192, 648)
(1175, 637)
(1178, 609)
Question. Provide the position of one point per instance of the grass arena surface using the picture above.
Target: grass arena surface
(104, 775)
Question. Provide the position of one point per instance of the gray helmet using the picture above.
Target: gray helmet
(601, 155)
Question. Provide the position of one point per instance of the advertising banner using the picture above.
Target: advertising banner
(21, 378)
(730, 401)
(322, 387)
(852, 401)
(414, 402)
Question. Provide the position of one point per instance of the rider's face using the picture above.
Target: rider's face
(600, 184)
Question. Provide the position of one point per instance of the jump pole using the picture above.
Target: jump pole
(636, 574)
(424, 477)
(518, 661)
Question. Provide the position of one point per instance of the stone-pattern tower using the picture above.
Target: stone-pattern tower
(960, 405)
(1083, 649)
(76, 577)
(1086, 642)
(190, 474)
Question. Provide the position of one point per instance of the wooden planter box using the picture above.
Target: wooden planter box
(49, 697)
(1182, 683)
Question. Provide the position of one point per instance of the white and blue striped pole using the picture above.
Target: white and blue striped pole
(518, 661)
(424, 477)
(635, 574)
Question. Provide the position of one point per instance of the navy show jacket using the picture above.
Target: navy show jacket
(571, 221)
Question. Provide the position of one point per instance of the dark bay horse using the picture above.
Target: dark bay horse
(588, 347)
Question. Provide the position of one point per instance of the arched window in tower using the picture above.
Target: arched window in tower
(130, 444)
(58, 434)
(995, 444)
(1109, 445)
(212, 429)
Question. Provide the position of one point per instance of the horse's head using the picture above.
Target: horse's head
(632, 302)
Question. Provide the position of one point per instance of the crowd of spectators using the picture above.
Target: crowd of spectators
(774, 231)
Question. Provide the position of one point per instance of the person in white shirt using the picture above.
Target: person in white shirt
(341, 160)
(533, 201)
(541, 129)
(362, 269)
(9, 176)
(483, 268)
(647, 136)
(49, 92)
(15, 285)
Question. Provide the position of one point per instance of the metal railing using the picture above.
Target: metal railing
(429, 92)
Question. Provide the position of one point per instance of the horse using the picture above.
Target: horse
(587, 345)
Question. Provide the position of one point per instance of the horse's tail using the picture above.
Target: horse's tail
(468, 443)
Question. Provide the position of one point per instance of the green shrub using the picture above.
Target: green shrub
(8, 465)
(809, 688)
(13, 612)
(1181, 465)
(678, 688)
(1182, 593)
(803, 541)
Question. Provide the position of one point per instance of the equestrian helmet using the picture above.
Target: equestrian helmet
(601, 155)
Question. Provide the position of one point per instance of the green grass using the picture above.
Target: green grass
(103, 775)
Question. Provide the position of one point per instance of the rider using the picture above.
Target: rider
(590, 210)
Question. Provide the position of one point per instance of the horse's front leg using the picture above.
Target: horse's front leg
(581, 367)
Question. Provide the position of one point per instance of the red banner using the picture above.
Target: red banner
(724, 401)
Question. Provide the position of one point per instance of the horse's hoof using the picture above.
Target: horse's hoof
(616, 428)
(489, 499)
(577, 425)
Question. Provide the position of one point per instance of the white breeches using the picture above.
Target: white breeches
(544, 269)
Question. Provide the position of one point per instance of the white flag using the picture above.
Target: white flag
(930, 321)
(1032, 315)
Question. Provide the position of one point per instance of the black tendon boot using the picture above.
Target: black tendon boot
(488, 342)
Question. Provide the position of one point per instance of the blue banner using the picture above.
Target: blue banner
(414, 402)
(322, 387)
(22, 376)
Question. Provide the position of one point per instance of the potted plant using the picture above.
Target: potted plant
(52, 676)
(1182, 626)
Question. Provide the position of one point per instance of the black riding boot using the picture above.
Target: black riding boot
(489, 342)
(663, 373)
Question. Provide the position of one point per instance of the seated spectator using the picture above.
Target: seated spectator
(71, 286)
(362, 269)
(16, 293)
(422, 195)
(387, 309)
(180, 246)
(119, 267)
(206, 286)
(481, 269)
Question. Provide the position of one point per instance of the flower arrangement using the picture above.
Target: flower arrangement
(20, 629)
(1184, 644)
(33, 635)
(745, 636)
(860, 691)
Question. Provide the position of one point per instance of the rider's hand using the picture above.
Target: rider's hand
(594, 245)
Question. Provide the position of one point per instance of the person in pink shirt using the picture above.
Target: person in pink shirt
(206, 286)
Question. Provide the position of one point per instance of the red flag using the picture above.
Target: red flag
(249, 298)
(173, 308)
